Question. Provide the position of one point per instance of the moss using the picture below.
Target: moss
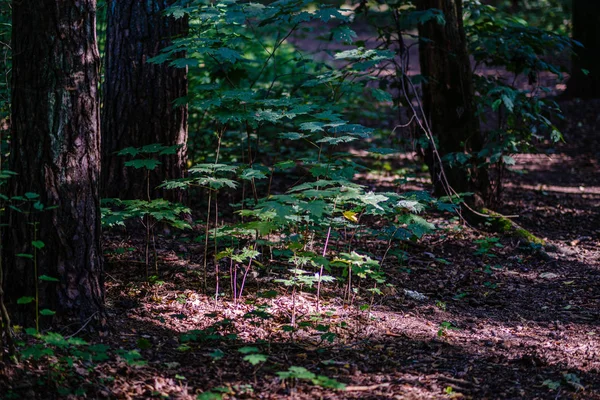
(508, 227)
(525, 234)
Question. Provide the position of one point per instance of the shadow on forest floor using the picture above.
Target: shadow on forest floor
(513, 323)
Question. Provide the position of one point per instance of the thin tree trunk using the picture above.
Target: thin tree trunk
(448, 100)
(138, 97)
(55, 149)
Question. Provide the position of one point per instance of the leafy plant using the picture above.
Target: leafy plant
(445, 327)
(295, 373)
(115, 212)
(486, 245)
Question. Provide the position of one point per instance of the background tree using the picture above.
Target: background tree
(55, 149)
(138, 104)
(585, 74)
(449, 102)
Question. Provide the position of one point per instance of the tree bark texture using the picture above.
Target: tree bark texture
(138, 97)
(448, 99)
(55, 149)
(586, 30)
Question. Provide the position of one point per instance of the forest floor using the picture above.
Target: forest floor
(465, 319)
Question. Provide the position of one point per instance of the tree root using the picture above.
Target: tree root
(506, 226)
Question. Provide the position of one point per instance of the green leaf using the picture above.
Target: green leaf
(75, 341)
(217, 354)
(297, 373)
(152, 148)
(129, 151)
(25, 300)
(312, 126)
(508, 160)
(255, 359)
(252, 173)
(550, 384)
(38, 244)
(210, 396)
(412, 206)
(508, 103)
(248, 350)
(149, 164)
(381, 95)
(326, 382)
(343, 33)
(31, 331)
(132, 357)
(24, 255)
(47, 278)
(383, 151)
(181, 62)
(144, 344)
(373, 199)
(292, 135)
(446, 207)
(55, 339)
(47, 312)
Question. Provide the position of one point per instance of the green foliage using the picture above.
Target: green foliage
(445, 326)
(255, 358)
(116, 212)
(300, 373)
(549, 15)
(260, 109)
(486, 245)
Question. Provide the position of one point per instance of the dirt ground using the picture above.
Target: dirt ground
(512, 322)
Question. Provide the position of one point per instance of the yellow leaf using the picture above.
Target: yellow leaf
(350, 216)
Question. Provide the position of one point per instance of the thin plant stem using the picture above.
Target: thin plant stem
(294, 306)
(215, 242)
(206, 241)
(247, 269)
(154, 251)
(147, 217)
(235, 268)
(321, 269)
(323, 254)
(35, 276)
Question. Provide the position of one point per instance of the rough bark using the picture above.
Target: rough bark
(448, 100)
(55, 149)
(138, 96)
(586, 30)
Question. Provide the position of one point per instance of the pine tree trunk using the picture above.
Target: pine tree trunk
(138, 96)
(55, 149)
(448, 100)
(586, 30)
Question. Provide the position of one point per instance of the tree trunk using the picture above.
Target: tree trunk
(448, 100)
(138, 98)
(586, 30)
(55, 149)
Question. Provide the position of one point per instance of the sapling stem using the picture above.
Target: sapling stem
(154, 251)
(216, 261)
(205, 270)
(324, 253)
(247, 269)
(35, 276)
(220, 137)
(321, 269)
(147, 217)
